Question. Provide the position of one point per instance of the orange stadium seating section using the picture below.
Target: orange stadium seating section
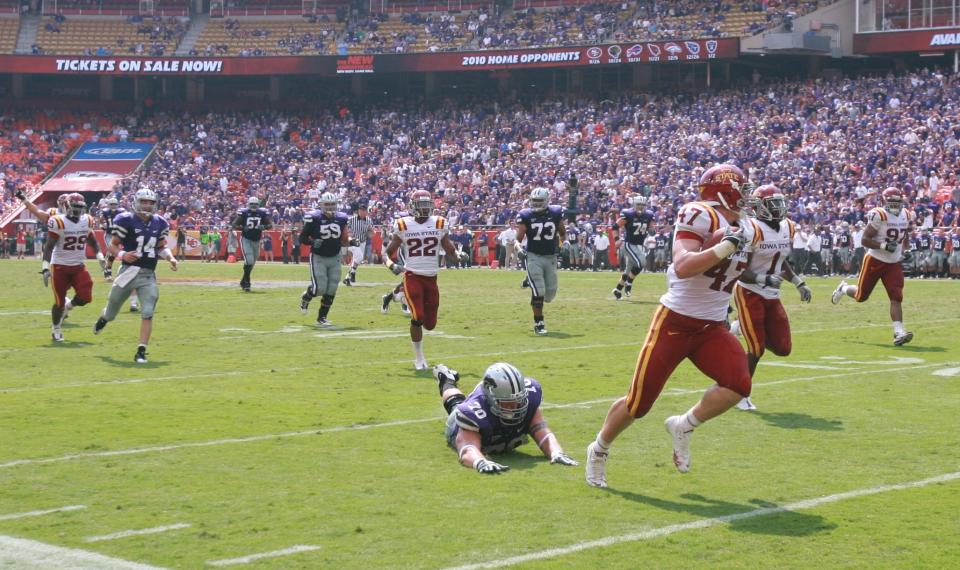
(232, 37)
(9, 27)
(79, 34)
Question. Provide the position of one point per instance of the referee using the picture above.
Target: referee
(361, 228)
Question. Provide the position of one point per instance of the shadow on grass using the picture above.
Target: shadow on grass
(741, 517)
(555, 334)
(793, 420)
(904, 348)
(70, 344)
(519, 461)
(131, 364)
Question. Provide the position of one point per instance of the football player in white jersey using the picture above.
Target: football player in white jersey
(887, 234)
(43, 216)
(64, 259)
(762, 319)
(691, 321)
(424, 238)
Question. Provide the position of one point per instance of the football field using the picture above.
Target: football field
(252, 439)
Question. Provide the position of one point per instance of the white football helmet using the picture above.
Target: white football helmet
(328, 203)
(112, 203)
(253, 203)
(506, 392)
(145, 195)
(539, 199)
(638, 200)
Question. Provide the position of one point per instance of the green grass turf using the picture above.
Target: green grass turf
(359, 467)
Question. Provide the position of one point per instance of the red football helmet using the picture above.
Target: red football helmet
(769, 203)
(421, 204)
(893, 200)
(62, 201)
(76, 205)
(726, 185)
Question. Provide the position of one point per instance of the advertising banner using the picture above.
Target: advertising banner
(941, 39)
(606, 54)
(96, 166)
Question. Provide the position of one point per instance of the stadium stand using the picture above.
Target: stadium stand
(273, 36)
(9, 28)
(95, 36)
(854, 136)
(163, 8)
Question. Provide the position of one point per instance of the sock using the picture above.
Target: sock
(246, 273)
(538, 320)
(418, 351)
(898, 327)
(324, 311)
(67, 306)
(848, 290)
(142, 347)
(603, 444)
(620, 286)
(689, 421)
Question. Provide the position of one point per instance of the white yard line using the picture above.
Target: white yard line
(272, 554)
(704, 523)
(24, 554)
(337, 429)
(15, 516)
(137, 532)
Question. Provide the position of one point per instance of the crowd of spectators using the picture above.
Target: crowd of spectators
(829, 144)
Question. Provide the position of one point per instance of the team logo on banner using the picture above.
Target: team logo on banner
(712, 47)
(635, 50)
(673, 49)
(654, 50)
(693, 47)
(614, 51)
(594, 53)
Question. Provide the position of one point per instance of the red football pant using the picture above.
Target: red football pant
(673, 337)
(873, 270)
(763, 323)
(67, 276)
(423, 298)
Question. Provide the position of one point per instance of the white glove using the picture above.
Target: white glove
(773, 281)
(806, 295)
(488, 467)
(45, 274)
(734, 235)
(561, 458)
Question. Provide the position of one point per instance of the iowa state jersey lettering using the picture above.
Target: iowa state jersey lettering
(542, 228)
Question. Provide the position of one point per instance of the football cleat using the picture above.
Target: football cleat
(405, 308)
(353, 278)
(525, 284)
(108, 275)
(596, 472)
(902, 338)
(304, 303)
(617, 294)
(446, 378)
(346, 281)
(540, 329)
(141, 356)
(385, 302)
(134, 308)
(324, 323)
(838, 292)
(628, 290)
(57, 334)
(681, 443)
(98, 326)
(746, 404)
(420, 365)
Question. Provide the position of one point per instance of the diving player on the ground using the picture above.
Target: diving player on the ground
(496, 417)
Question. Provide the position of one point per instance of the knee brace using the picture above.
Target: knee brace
(536, 302)
(453, 401)
(416, 323)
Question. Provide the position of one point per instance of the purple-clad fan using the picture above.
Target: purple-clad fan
(497, 417)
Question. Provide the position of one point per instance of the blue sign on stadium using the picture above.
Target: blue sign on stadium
(113, 151)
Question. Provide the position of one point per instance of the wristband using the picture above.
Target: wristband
(45, 266)
(545, 438)
(797, 281)
(724, 249)
(100, 256)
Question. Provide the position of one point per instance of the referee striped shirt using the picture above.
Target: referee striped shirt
(359, 228)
